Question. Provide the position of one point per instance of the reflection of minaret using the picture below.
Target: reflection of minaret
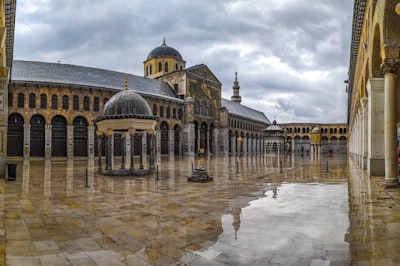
(236, 220)
(236, 97)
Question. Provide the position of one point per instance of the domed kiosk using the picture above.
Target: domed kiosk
(129, 115)
(274, 139)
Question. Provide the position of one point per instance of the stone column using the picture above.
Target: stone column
(132, 139)
(364, 106)
(27, 141)
(127, 150)
(376, 151)
(390, 67)
(152, 155)
(123, 150)
(47, 141)
(70, 142)
(143, 157)
(99, 150)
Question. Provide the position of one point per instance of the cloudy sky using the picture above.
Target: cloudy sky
(291, 56)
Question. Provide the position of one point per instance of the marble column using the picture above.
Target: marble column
(132, 139)
(91, 132)
(390, 67)
(123, 150)
(27, 141)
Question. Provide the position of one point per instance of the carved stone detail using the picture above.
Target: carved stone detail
(390, 65)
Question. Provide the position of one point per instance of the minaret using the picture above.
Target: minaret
(236, 97)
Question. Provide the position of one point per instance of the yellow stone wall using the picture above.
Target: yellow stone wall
(154, 62)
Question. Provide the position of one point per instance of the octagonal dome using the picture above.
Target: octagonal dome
(316, 130)
(164, 51)
(127, 103)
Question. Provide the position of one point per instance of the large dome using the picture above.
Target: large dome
(127, 103)
(164, 51)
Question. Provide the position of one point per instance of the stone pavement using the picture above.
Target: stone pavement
(259, 210)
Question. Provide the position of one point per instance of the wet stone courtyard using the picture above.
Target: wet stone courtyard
(258, 210)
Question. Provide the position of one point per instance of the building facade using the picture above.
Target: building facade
(300, 138)
(52, 109)
(373, 87)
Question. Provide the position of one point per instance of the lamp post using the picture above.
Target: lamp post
(239, 140)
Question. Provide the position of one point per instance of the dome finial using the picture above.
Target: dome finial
(236, 76)
(126, 83)
(164, 41)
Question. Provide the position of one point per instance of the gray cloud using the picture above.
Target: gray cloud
(274, 45)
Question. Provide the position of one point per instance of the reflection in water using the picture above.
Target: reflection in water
(47, 178)
(25, 176)
(158, 220)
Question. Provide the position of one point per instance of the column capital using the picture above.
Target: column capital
(390, 65)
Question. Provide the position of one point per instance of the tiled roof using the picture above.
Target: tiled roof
(243, 111)
(41, 72)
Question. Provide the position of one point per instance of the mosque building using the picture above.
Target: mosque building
(52, 108)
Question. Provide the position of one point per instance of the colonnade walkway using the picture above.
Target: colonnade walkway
(258, 210)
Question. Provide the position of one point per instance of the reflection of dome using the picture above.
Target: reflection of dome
(316, 130)
(163, 51)
(127, 103)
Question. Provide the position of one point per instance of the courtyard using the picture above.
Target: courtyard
(258, 210)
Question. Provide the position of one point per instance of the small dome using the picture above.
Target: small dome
(163, 51)
(189, 99)
(316, 130)
(127, 102)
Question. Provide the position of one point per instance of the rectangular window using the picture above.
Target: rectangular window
(96, 104)
(75, 103)
(54, 102)
(43, 101)
(86, 104)
(65, 102)
(10, 99)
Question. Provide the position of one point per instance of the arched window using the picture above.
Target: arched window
(176, 87)
(43, 101)
(105, 100)
(32, 100)
(166, 67)
(75, 102)
(196, 107)
(176, 66)
(180, 113)
(147, 71)
(96, 106)
(161, 111)
(10, 99)
(86, 103)
(54, 101)
(65, 102)
(155, 110)
(174, 113)
(210, 110)
(159, 67)
(168, 112)
(151, 69)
